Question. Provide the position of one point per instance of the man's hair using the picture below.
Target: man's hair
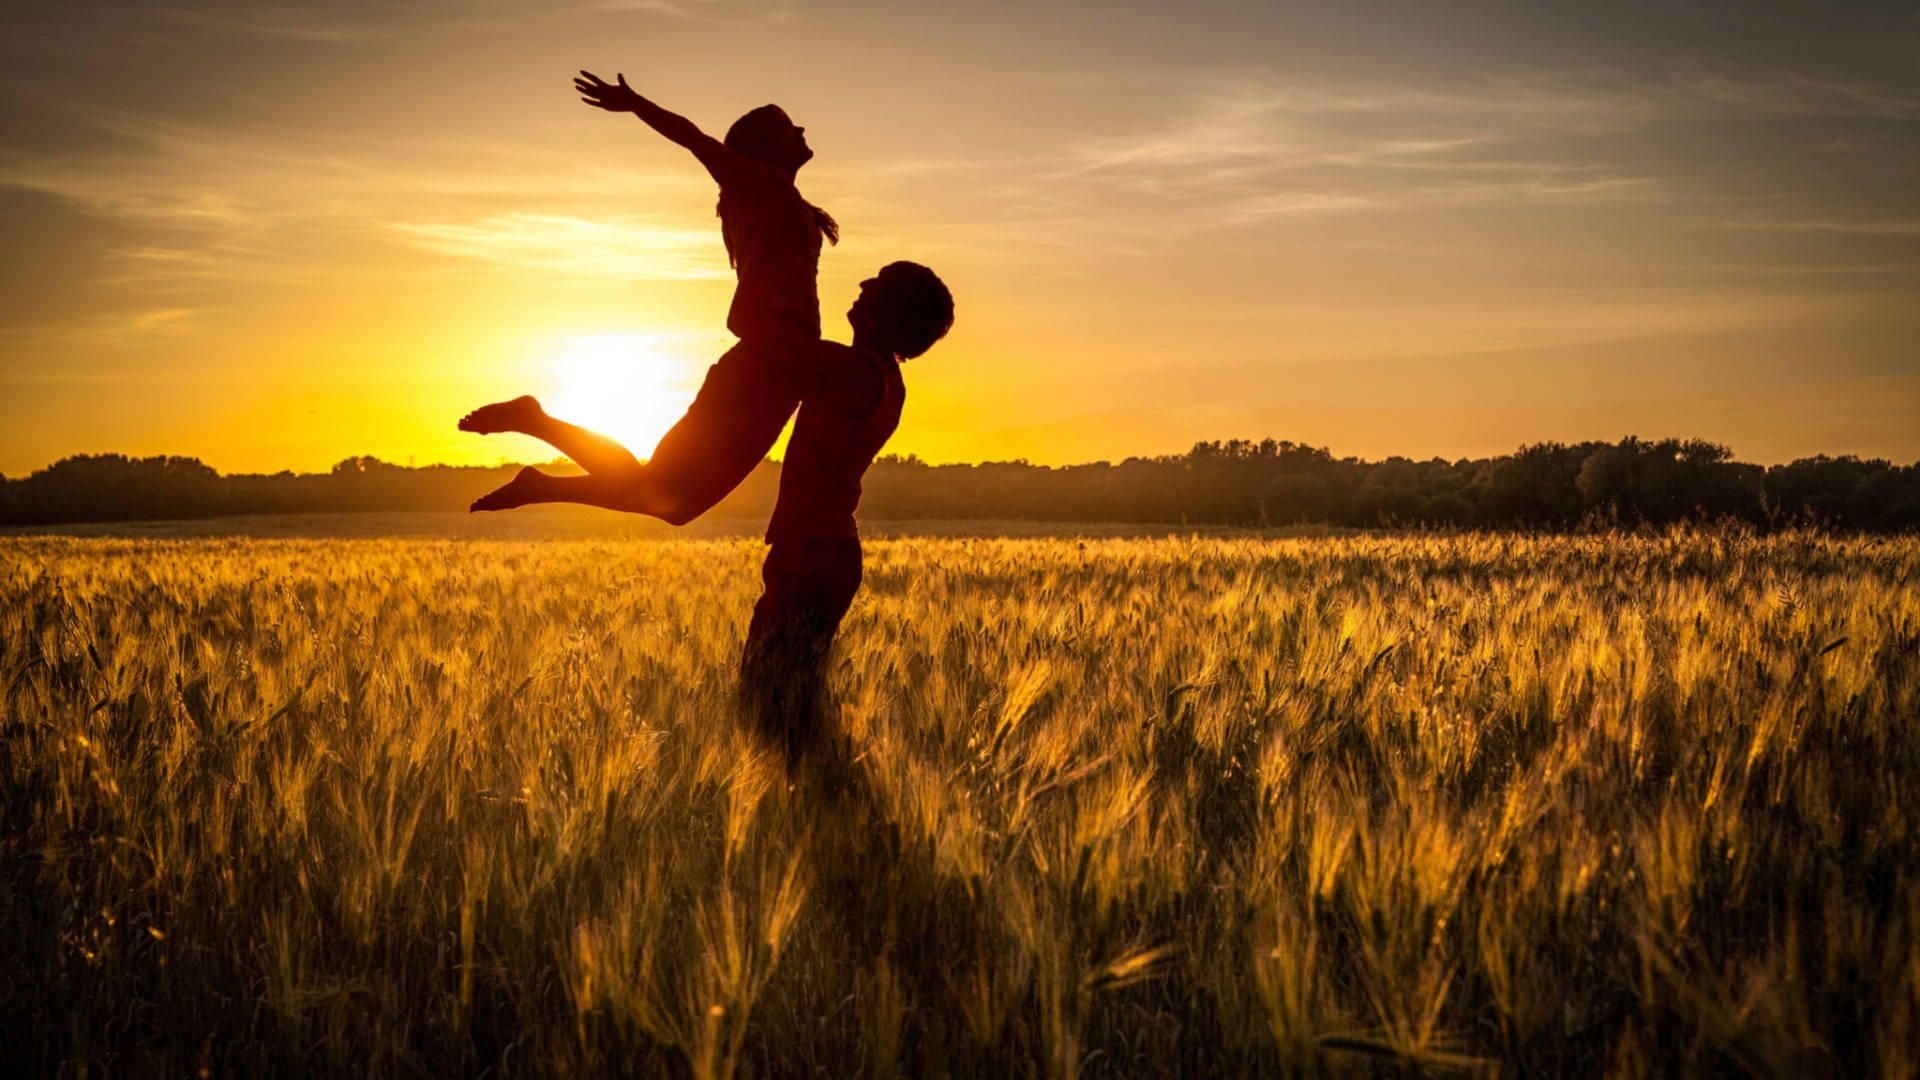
(914, 308)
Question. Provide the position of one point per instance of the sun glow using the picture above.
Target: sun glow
(628, 386)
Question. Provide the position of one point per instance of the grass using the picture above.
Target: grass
(1475, 804)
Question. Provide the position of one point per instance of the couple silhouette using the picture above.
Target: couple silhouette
(848, 396)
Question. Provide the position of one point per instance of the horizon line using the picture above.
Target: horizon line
(507, 463)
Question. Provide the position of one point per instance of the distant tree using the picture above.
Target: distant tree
(1608, 476)
(1667, 481)
(1230, 482)
(1885, 497)
(114, 487)
(1446, 509)
(1817, 490)
(1535, 486)
(1294, 497)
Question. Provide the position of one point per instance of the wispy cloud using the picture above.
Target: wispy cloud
(81, 336)
(287, 23)
(164, 318)
(1856, 228)
(1290, 125)
(1240, 154)
(734, 12)
(1787, 93)
(1230, 151)
(193, 206)
(630, 247)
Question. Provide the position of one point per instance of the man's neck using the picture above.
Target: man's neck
(866, 346)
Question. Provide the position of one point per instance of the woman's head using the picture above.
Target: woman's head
(903, 310)
(767, 135)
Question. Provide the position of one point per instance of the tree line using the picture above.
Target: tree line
(1236, 482)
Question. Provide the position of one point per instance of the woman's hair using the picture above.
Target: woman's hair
(915, 308)
(754, 137)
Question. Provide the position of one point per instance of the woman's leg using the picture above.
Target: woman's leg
(728, 429)
(591, 450)
(638, 491)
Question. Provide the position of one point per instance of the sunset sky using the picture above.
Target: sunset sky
(274, 236)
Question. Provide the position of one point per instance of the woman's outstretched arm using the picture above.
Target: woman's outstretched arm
(619, 97)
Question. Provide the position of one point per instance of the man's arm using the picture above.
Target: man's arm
(724, 165)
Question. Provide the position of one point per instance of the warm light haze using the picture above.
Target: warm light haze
(277, 236)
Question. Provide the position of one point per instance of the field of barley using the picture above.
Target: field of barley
(1614, 805)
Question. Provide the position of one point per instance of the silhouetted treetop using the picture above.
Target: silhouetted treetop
(1233, 482)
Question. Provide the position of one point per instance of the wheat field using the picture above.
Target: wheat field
(1610, 805)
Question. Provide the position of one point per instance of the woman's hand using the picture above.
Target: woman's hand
(613, 97)
(619, 97)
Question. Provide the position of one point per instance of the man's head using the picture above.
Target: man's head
(767, 135)
(902, 310)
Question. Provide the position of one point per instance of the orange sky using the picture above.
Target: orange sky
(271, 237)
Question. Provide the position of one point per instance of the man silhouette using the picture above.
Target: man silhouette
(850, 407)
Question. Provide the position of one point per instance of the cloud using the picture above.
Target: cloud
(164, 318)
(1256, 119)
(1241, 154)
(631, 247)
(185, 205)
(1231, 151)
(287, 23)
(1855, 228)
(730, 12)
(1787, 93)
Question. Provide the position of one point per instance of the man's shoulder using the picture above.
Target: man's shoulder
(825, 349)
(847, 379)
(829, 360)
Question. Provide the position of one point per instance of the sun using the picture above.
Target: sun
(628, 386)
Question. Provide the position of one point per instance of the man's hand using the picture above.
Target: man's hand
(613, 97)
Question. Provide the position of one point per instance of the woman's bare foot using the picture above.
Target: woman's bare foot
(521, 414)
(519, 491)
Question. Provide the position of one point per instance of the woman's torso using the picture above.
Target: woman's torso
(774, 240)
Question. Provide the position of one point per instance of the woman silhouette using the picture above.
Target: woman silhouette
(772, 235)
